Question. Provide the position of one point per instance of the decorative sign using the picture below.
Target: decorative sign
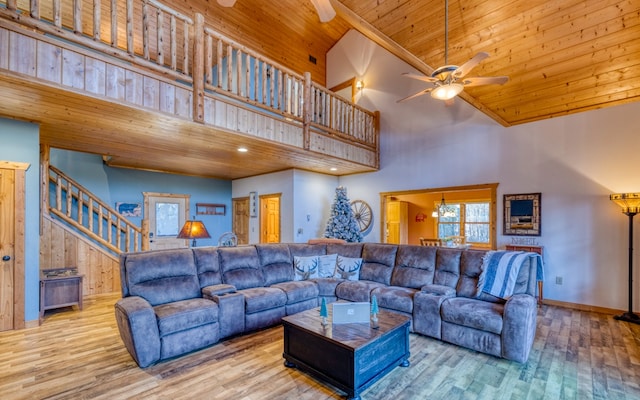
(210, 209)
(253, 208)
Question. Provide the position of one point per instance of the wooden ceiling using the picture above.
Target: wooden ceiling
(561, 57)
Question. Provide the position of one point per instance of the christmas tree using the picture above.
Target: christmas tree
(342, 223)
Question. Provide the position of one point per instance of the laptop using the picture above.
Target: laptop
(351, 313)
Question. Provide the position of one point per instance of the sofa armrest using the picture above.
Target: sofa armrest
(426, 309)
(438, 290)
(231, 313)
(208, 292)
(518, 327)
(138, 329)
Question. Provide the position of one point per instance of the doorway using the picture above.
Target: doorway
(417, 222)
(12, 235)
(270, 218)
(165, 213)
(240, 223)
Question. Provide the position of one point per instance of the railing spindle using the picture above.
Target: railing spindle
(69, 198)
(173, 43)
(114, 23)
(160, 37)
(77, 16)
(80, 207)
(57, 13)
(97, 19)
(34, 8)
(145, 30)
(130, 48)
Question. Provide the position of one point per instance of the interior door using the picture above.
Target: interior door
(7, 247)
(270, 218)
(166, 213)
(240, 221)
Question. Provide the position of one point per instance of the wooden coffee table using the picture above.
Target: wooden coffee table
(349, 356)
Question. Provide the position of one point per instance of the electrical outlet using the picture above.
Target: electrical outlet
(558, 280)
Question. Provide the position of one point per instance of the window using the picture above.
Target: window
(472, 220)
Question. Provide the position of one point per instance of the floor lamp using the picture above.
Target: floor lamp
(630, 203)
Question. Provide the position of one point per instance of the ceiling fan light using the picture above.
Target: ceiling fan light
(447, 91)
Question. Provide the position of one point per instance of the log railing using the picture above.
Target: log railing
(152, 35)
(78, 207)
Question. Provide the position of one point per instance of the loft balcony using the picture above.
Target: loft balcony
(148, 87)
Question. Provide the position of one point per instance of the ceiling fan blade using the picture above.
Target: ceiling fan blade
(469, 65)
(420, 93)
(227, 3)
(325, 10)
(420, 77)
(485, 80)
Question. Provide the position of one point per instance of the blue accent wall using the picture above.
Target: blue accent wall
(114, 185)
(21, 143)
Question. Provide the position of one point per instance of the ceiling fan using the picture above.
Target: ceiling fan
(449, 80)
(323, 8)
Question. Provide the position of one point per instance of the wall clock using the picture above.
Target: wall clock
(362, 213)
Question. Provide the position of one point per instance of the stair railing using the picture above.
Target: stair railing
(78, 207)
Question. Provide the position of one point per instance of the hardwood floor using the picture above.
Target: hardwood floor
(79, 355)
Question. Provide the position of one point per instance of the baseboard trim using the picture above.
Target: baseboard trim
(581, 307)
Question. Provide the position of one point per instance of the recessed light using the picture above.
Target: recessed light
(333, 169)
(242, 149)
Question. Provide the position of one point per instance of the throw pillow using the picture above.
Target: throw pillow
(348, 268)
(328, 265)
(305, 267)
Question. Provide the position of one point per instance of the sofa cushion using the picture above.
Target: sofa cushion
(305, 268)
(395, 298)
(357, 290)
(327, 286)
(298, 291)
(470, 269)
(473, 313)
(348, 268)
(240, 267)
(185, 314)
(447, 267)
(275, 260)
(327, 265)
(307, 250)
(353, 250)
(415, 266)
(207, 264)
(162, 276)
(263, 298)
(378, 261)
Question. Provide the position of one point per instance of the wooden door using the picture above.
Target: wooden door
(240, 223)
(397, 224)
(270, 218)
(12, 216)
(165, 213)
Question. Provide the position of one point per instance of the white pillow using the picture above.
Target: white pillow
(328, 265)
(348, 268)
(305, 267)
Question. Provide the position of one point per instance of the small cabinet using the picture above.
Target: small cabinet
(61, 287)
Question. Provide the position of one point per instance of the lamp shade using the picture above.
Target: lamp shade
(193, 230)
(630, 202)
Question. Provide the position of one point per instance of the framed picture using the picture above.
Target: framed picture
(129, 209)
(522, 214)
(210, 209)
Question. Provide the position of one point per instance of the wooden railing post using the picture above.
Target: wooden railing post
(198, 69)
(306, 111)
(44, 182)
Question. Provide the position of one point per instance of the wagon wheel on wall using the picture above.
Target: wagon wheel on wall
(362, 213)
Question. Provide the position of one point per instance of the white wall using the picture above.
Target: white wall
(574, 161)
(305, 202)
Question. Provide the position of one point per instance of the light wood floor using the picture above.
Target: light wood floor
(79, 355)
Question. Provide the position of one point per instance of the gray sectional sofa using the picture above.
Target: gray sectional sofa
(177, 301)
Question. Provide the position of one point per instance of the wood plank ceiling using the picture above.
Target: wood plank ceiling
(562, 57)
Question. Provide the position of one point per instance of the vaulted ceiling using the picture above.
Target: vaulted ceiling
(562, 57)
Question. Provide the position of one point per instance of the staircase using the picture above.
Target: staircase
(80, 230)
